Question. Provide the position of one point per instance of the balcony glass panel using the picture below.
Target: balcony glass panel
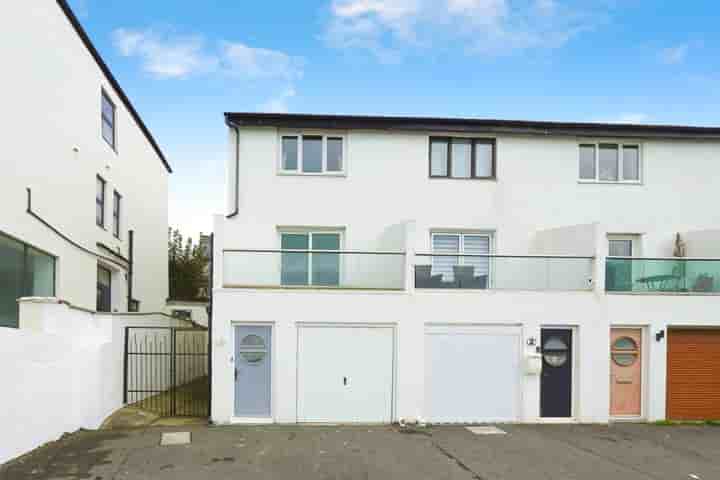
(503, 272)
(317, 268)
(676, 275)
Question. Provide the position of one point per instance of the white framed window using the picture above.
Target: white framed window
(306, 268)
(463, 243)
(310, 153)
(619, 275)
(609, 162)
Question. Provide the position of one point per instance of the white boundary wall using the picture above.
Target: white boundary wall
(61, 371)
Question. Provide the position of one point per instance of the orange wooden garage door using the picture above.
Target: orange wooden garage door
(693, 375)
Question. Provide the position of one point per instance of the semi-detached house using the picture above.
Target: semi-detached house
(372, 269)
(84, 185)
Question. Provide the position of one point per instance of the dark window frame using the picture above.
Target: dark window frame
(98, 306)
(473, 142)
(24, 277)
(100, 202)
(117, 212)
(112, 122)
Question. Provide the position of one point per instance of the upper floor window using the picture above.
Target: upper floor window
(312, 154)
(609, 162)
(471, 266)
(310, 268)
(100, 201)
(462, 157)
(108, 120)
(117, 199)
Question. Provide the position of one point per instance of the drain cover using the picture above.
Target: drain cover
(486, 430)
(175, 438)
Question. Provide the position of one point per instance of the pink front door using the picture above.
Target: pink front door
(625, 372)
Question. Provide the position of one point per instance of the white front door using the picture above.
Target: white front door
(472, 374)
(345, 374)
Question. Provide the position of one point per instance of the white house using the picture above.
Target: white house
(372, 269)
(84, 185)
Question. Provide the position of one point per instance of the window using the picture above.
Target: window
(116, 213)
(625, 351)
(306, 268)
(609, 162)
(100, 202)
(312, 154)
(24, 272)
(620, 248)
(104, 289)
(108, 120)
(474, 271)
(619, 273)
(462, 157)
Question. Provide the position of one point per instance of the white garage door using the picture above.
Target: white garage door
(472, 374)
(345, 374)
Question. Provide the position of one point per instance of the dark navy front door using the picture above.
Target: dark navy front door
(252, 371)
(556, 380)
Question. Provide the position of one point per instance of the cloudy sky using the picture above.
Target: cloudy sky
(185, 62)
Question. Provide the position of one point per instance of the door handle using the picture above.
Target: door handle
(236, 374)
(345, 381)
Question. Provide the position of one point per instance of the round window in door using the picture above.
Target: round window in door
(555, 352)
(624, 351)
(252, 349)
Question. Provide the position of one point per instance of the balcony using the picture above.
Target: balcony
(314, 269)
(502, 272)
(662, 275)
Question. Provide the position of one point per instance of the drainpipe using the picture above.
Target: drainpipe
(131, 267)
(237, 173)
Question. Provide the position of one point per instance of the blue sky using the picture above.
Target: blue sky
(183, 63)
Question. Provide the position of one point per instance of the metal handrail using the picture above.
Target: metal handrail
(491, 255)
(706, 259)
(294, 250)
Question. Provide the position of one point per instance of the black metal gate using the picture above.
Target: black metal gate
(167, 371)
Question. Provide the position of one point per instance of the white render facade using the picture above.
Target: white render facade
(382, 339)
(67, 128)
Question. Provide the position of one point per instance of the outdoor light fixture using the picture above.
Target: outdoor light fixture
(659, 335)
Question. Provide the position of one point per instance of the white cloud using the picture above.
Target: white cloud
(278, 104)
(163, 56)
(241, 59)
(481, 26)
(176, 56)
(674, 55)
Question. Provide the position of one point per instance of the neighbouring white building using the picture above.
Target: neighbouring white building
(84, 186)
(372, 269)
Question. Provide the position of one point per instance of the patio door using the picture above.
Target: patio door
(619, 274)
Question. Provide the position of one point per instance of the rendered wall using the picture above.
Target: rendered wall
(52, 144)
(63, 370)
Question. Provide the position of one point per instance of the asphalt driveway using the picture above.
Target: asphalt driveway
(621, 451)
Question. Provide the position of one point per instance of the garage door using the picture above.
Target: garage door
(693, 374)
(345, 374)
(472, 374)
